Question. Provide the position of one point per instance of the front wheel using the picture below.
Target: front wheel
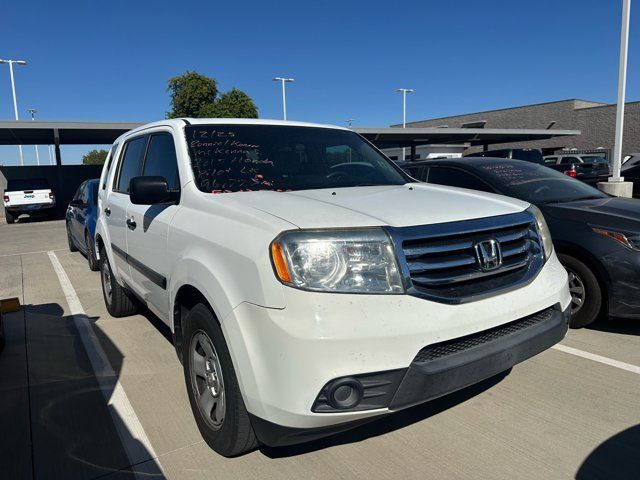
(118, 301)
(212, 386)
(586, 294)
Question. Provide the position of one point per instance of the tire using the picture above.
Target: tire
(119, 302)
(226, 429)
(72, 246)
(9, 217)
(94, 266)
(583, 284)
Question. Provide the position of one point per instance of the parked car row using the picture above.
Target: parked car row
(596, 237)
(310, 284)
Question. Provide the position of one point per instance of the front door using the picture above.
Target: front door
(117, 203)
(149, 226)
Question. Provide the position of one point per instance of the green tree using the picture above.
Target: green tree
(234, 104)
(195, 95)
(190, 94)
(95, 157)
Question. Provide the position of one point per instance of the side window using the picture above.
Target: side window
(457, 178)
(109, 163)
(551, 160)
(161, 160)
(84, 194)
(418, 172)
(78, 194)
(130, 163)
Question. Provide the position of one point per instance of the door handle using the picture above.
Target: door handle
(131, 224)
(107, 211)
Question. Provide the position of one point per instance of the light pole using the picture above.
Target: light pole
(404, 110)
(284, 94)
(33, 111)
(13, 90)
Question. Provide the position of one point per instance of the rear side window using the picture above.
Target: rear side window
(457, 178)
(161, 160)
(131, 163)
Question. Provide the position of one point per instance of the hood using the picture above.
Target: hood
(613, 211)
(394, 205)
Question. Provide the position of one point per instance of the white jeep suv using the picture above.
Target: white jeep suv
(309, 283)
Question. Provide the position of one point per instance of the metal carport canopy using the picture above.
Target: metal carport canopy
(88, 133)
(68, 133)
(449, 136)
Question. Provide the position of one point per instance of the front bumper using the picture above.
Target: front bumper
(443, 369)
(284, 357)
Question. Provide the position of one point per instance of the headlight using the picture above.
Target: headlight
(346, 261)
(629, 240)
(543, 231)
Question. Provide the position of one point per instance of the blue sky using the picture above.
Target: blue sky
(110, 61)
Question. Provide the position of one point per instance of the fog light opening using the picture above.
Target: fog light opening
(345, 393)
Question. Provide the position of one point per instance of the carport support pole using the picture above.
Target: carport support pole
(56, 140)
(413, 152)
(616, 184)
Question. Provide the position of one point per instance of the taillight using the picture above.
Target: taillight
(6, 198)
(51, 195)
(571, 173)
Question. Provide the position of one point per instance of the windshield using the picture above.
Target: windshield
(27, 184)
(233, 158)
(528, 155)
(537, 183)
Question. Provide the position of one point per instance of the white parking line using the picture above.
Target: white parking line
(133, 437)
(598, 358)
(30, 253)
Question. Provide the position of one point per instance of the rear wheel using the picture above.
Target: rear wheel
(212, 386)
(119, 302)
(9, 216)
(72, 246)
(91, 257)
(586, 294)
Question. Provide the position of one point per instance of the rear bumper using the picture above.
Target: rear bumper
(443, 368)
(30, 208)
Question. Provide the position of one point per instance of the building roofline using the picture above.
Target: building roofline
(602, 104)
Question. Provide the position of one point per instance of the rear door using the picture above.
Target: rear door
(149, 226)
(115, 207)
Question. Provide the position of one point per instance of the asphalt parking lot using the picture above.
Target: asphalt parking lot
(84, 396)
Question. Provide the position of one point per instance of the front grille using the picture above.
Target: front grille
(439, 350)
(441, 263)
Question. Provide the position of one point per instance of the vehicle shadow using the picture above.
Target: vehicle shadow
(624, 326)
(616, 458)
(65, 410)
(389, 423)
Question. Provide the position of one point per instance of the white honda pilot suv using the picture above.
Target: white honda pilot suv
(309, 283)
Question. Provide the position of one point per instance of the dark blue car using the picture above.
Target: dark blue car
(82, 215)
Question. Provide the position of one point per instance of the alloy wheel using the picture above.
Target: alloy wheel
(577, 290)
(106, 281)
(207, 382)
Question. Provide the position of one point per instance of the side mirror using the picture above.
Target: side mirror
(149, 191)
